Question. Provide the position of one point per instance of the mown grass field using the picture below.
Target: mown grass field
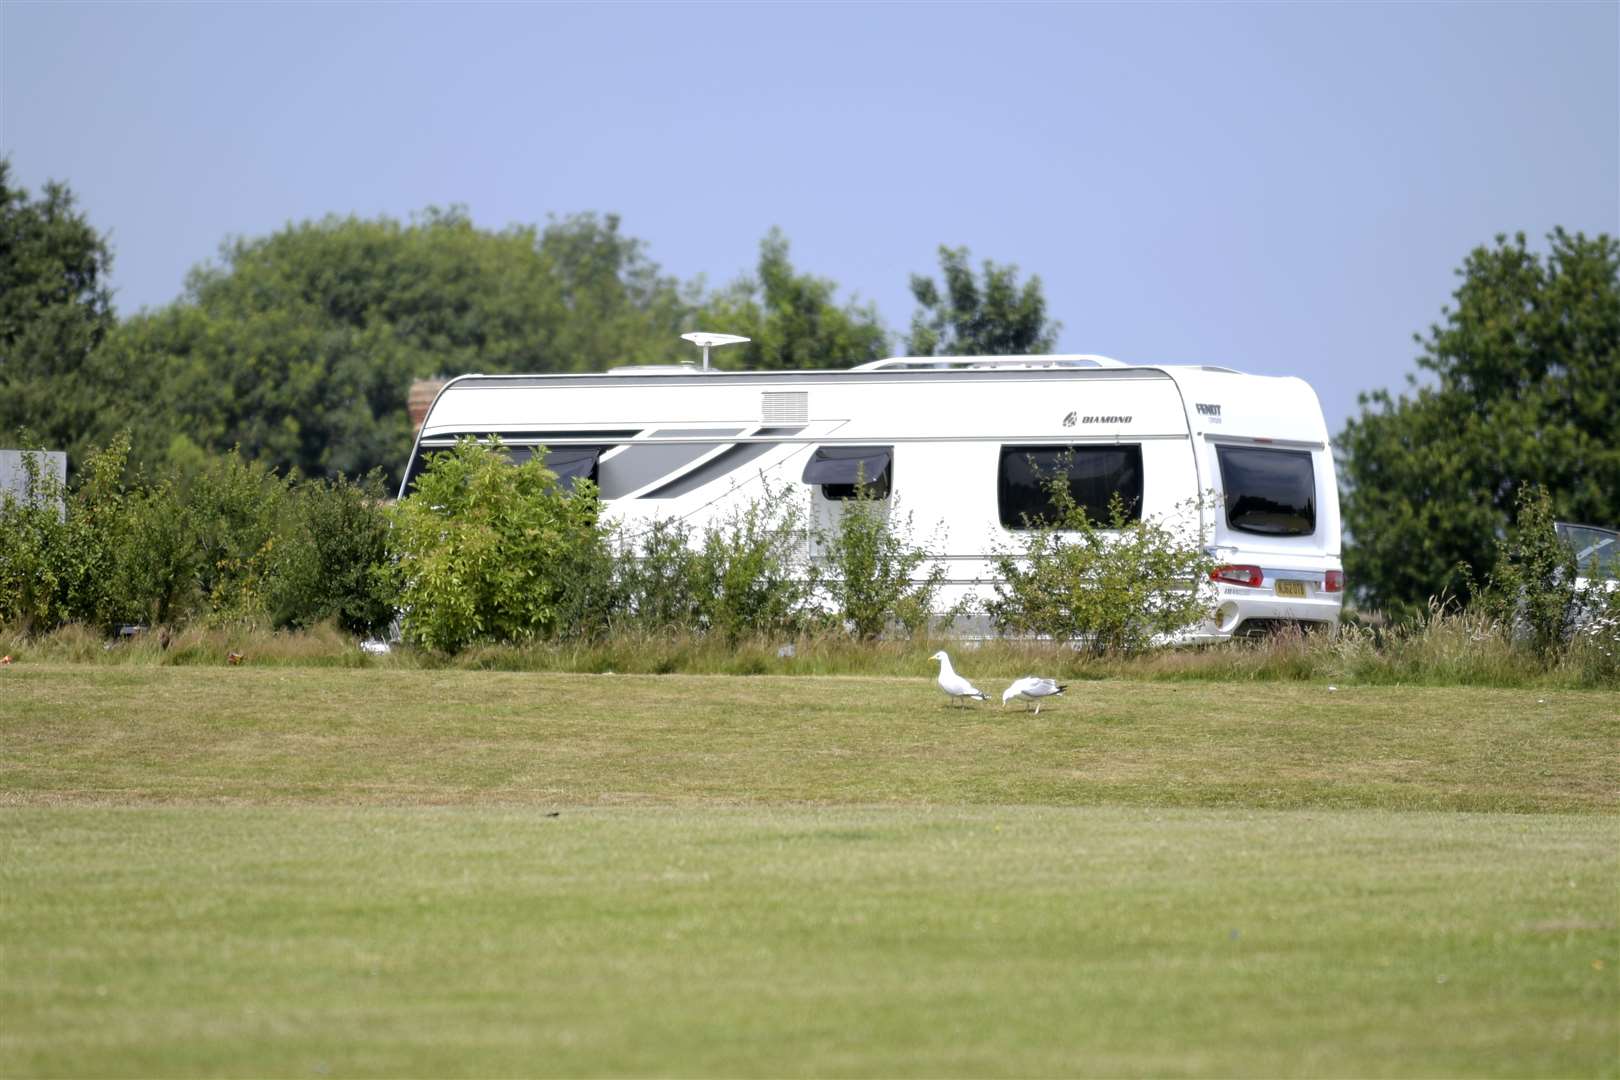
(296, 871)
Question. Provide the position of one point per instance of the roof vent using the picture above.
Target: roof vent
(786, 406)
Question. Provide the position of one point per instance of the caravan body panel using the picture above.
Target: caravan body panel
(953, 441)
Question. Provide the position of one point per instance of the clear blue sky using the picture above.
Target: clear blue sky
(1281, 188)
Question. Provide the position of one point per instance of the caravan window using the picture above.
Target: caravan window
(570, 463)
(417, 466)
(841, 470)
(1272, 492)
(1094, 473)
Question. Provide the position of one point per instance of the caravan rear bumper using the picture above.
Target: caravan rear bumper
(1285, 596)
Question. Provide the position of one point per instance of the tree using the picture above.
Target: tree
(1523, 389)
(300, 347)
(986, 316)
(791, 318)
(55, 310)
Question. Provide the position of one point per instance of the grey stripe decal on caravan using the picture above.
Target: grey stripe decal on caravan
(730, 460)
(640, 463)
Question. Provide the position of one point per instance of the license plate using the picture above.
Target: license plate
(1291, 588)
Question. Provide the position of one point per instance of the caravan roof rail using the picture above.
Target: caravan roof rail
(968, 363)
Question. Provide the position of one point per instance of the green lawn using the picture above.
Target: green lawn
(239, 871)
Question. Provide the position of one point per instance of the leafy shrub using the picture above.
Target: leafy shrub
(871, 562)
(656, 580)
(1114, 586)
(329, 563)
(1533, 596)
(97, 541)
(159, 561)
(33, 551)
(588, 599)
(484, 548)
(106, 553)
(750, 574)
(1531, 591)
(237, 511)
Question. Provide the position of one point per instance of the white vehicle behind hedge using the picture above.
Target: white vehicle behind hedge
(960, 443)
(1597, 555)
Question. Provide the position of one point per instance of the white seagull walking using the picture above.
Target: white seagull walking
(953, 684)
(1033, 688)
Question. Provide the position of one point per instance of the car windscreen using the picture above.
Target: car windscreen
(1597, 551)
(1268, 491)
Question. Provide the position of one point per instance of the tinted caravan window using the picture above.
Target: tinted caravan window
(568, 462)
(1094, 473)
(841, 470)
(412, 471)
(1272, 492)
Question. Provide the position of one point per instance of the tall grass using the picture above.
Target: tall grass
(1446, 647)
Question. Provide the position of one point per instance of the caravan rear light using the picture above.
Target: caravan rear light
(1238, 575)
(1333, 581)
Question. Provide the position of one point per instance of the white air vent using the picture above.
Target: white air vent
(786, 406)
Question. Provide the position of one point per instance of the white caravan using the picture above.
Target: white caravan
(955, 442)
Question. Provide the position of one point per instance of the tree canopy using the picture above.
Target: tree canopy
(1520, 385)
(300, 347)
(55, 311)
(791, 318)
(984, 315)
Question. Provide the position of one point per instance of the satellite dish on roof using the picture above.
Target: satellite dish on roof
(706, 341)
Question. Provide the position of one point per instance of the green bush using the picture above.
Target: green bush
(237, 511)
(589, 599)
(160, 558)
(33, 551)
(1115, 586)
(1531, 591)
(105, 553)
(751, 574)
(656, 580)
(484, 548)
(330, 561)
(870, 562)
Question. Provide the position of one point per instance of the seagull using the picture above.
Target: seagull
(952, 683)
(1033, 688)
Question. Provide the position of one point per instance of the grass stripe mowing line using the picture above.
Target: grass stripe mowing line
(910, 941)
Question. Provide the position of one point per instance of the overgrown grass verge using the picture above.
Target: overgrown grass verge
(1447, 649)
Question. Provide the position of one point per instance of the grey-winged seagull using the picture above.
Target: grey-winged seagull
(953, 684)
(1032, 688)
